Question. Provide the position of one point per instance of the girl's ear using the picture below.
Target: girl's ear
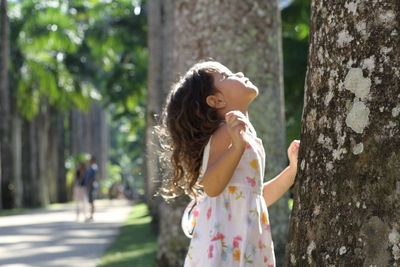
(215, 101)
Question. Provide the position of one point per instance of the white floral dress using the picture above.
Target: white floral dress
(232, 229)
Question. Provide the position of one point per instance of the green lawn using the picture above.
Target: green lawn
(23, 210)
(136, 245)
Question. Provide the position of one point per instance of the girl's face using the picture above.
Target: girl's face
(236, 89)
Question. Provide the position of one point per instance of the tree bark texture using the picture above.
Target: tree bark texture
(347, 191)
(244, 36)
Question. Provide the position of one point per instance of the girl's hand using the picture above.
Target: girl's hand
(236, 123)
(293, 153)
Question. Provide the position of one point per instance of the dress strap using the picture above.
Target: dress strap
(252, 130)
(206, 154)
(251, 127)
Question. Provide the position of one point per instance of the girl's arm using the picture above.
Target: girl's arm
(223, 160)
(275, 188)
(226, 149)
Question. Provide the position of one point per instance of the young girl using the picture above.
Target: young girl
(218, 159)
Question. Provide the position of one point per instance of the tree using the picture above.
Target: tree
(7, 185)
(347, 189)
(245, 36)
(43, 88)
(57, 65)
(157, 39)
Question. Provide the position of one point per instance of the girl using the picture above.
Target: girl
(218, 159)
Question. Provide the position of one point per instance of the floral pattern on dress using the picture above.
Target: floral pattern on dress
(233, 229)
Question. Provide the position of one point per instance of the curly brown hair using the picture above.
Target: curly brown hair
(186, 126)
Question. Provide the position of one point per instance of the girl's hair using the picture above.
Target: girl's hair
(187, 122)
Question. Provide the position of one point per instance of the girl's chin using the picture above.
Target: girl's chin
(254, 90)
(254, 95)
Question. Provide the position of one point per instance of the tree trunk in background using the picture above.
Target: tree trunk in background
(154, 104)
(43, 173)
(17, 154)
(172, 243)
(42, 138)
(52, 155)
(61, 174)
(36, 143)
(89, 134)
(6, 176)
(347, 193)
(30, 160)
(251, 44)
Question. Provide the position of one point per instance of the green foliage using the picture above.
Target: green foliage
(71, 164)
(120, 64)
(43, 32)
(69, 53)
(114, 176)
(73, 161)
(295, 32)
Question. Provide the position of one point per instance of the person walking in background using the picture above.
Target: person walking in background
(91, 185)
(80, 194)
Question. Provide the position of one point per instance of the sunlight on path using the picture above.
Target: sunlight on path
(55, 238)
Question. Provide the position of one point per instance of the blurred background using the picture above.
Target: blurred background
(74, 85)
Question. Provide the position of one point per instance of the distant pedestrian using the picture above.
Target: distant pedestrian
(79, 191)
(91, 185)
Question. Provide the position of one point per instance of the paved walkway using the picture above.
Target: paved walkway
(54, 237)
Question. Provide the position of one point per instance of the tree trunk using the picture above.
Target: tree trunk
(347, 192)
(52, 155)
(99, 138)
(89, 134)
(153, 106)
(30, 175)
(251, 44)
(7, 185)
(35, 165)
(172, 243)
(42, 139)
(17, 155)
(61, 171)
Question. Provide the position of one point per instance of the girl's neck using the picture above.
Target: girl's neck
(244, 110)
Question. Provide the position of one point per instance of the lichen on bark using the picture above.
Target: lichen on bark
(347, 188)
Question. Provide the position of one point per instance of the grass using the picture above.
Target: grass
(4, 212)
(136, 245)
(13, 211)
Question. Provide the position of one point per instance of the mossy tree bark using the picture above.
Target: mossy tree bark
(347, 192)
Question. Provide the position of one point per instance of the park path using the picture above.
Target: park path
(54, 237)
